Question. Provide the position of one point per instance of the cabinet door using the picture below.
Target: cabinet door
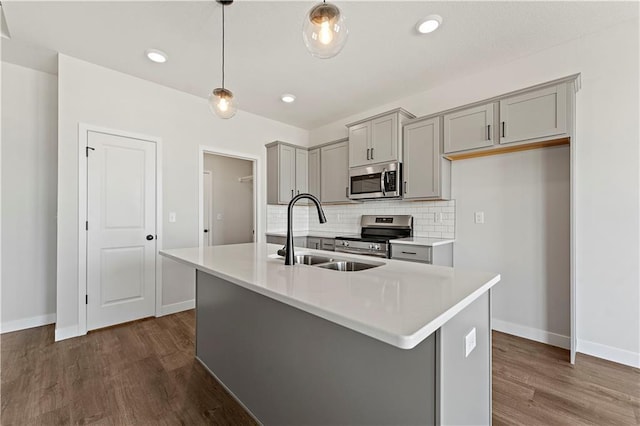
(384, 139)
(313, 243)
(314, 172)
(534, 115)
(287, 177)
(302, 171)
(359, 137)
(334, 176)
(468, 129)
(422, 159)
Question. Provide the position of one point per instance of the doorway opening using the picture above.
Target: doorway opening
(227, 199)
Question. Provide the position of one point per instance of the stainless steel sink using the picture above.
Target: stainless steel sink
(309, 259)
(346, 265)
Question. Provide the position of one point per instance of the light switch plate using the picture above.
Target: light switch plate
(469, 342)
(172, 217)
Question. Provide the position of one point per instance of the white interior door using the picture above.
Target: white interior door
(121, 235)
(207, 187)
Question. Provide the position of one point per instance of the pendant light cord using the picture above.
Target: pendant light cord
(223, 6)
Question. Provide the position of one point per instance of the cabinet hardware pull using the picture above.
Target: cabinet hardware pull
(298, 192)
(489, 132)
(367, 153)
(346, 192)
(503, 129)
(372, 153)
(292, 193)
(409, 252)
(405, 186)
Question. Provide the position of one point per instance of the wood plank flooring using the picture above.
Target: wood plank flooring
(144, 373)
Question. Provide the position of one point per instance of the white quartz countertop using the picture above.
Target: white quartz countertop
(400, 303)
(422, 241)
(317, 234)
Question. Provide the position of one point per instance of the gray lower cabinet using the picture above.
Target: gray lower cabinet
(328, 244)
(533, 115)
(437, 255)
(334, 175)
(426, 174)
(314, 243)
(469, 128)
(297, 241)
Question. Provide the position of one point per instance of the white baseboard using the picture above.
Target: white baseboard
(610, 353)
(530, 333)
(177, 307)
(66, 333)
(24, 323)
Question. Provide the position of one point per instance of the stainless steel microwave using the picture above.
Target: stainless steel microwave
(375, 181)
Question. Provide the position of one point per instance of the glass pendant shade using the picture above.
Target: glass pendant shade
(324, 31)
(222, 103)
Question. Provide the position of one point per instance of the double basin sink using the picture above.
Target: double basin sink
(335, 264)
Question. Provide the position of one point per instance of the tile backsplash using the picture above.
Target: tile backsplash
(345, 218)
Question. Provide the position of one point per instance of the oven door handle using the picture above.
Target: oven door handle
(383, 182)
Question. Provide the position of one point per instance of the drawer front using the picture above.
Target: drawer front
(413, 253)
(328, 244)
(314, 243)
(272, 239)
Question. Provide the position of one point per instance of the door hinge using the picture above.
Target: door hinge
(87, 150)
(86, 299)
(86, 225)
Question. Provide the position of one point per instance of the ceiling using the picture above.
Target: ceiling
(384, 59)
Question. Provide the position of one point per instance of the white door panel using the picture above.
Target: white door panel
(121, 214)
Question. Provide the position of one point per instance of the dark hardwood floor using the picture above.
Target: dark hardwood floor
(144, 373)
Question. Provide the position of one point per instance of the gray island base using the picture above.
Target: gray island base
(290, 367)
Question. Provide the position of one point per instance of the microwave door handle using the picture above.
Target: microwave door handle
(383, 182)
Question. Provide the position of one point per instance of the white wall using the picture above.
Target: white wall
(525, 236)
(607, 164)
(98, 96)
(29, 132)
(232, 206)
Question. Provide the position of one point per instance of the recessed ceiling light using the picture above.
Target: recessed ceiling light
(429, 24)
(288, 98)
(156, 55)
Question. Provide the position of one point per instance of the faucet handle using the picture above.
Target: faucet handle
(283, 251)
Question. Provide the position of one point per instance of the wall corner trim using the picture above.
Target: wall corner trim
(174, 308)
(610, 353)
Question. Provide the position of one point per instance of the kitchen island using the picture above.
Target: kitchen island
(307, 345)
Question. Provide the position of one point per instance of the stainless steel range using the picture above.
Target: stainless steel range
(376, 231)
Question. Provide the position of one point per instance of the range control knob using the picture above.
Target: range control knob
(345, 243)
(376, 246)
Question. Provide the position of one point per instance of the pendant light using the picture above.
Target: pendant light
(324, 31)
(221, 100)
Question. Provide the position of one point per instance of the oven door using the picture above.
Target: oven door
(376, 181)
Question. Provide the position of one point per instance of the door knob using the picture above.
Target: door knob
(149, 237)
(206, 230)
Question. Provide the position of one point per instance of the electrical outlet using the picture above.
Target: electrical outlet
(437, 217)
(479, 217)
(219, 216)
(469, 342)
(172, 217)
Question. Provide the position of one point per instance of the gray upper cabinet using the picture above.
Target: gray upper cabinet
(314, 172)
(302, 171)
(377, 139)
(533, 115)
(286, 172)
(426, 174)
(334, 175)
(469, 128)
